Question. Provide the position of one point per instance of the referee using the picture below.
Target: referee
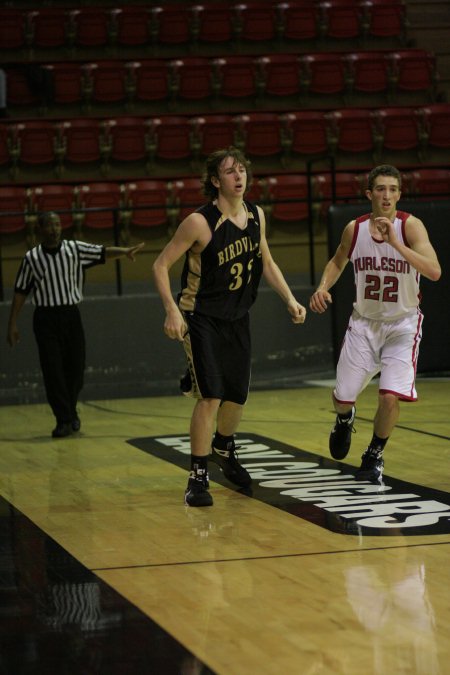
(54, 273)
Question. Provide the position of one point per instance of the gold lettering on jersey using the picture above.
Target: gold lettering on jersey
(384, 264)
(236, 249)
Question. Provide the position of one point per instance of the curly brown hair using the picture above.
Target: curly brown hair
(213, 163)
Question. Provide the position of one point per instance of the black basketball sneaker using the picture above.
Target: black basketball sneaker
(196, 493)
(341, 436)
(371, 468)
(227, 460)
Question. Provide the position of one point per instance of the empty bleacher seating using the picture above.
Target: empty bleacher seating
(288, 199)
(148, 202)
(431, 183)
(212, 23)
(305, 133)
(13, 32)
(101, 205)
(59, 198)
(397, 129)
(277, 81)
(187, 196)
(340, 19)
(299, 20)
(131, 26)
(139, 95)
(385, 19)
(353, 130)
(174, 144)
(15, 210)
(435, 121)
(259, 134)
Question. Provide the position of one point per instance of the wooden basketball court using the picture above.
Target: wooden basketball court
(302, 576)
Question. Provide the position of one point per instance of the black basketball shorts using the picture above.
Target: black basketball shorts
(219, 357)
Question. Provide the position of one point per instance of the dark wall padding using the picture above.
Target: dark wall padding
(128, 353)
(434, 350)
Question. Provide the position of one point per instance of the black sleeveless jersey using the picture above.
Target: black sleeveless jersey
(222, 281)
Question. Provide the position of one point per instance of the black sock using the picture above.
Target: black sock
(223, 442)
(377, 444)
(199, 466)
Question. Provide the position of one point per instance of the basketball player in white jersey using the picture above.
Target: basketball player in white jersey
(389, 250)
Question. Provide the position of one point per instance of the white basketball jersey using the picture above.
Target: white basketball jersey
(387, 286)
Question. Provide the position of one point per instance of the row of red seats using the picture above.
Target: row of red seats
(51, 27)
(175, 137)
(228, 77)
(151, 203)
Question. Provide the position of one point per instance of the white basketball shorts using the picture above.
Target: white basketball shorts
(390, 348)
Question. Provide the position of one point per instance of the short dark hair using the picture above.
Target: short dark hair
(383, 170)
(213, 163)
(46, 216)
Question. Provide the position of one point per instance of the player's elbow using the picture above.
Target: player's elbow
(436, 273)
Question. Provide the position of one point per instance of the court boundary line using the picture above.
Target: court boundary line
(269, 557)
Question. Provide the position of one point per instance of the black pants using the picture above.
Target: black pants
(62, 353)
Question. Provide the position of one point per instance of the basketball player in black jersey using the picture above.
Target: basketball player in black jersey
(226, 252)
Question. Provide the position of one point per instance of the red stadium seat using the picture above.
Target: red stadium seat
(59, 198)
(131, 25)
(148, 201)
(14, 200)
(212, 23)
(18, 88)
(148, 80)
(367, 72)
(430, 182)
(82, 140)
(128, 139)
(288, 195)
(236, 76)
(279, 74)
(413, 70)
(67, 81)
(259, 134)
(436, 123)
(104, 199)
(348, 189)
(105, 81)
(352, 129)
(48, 27)
(171, 24)
(323, 73)
(171, 137)
(397, 129)
(38, 142)
(258, 192)
(299, 20)
(305, 133)
(13, 32)
(188, 196)
(214, 132)
(255, 21)
(385, 18)
(90, 26)
(340, 19)
(192, 78)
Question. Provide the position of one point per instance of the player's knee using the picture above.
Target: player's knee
(388, 402)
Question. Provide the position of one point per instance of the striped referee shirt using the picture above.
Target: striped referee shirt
(56, 276)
